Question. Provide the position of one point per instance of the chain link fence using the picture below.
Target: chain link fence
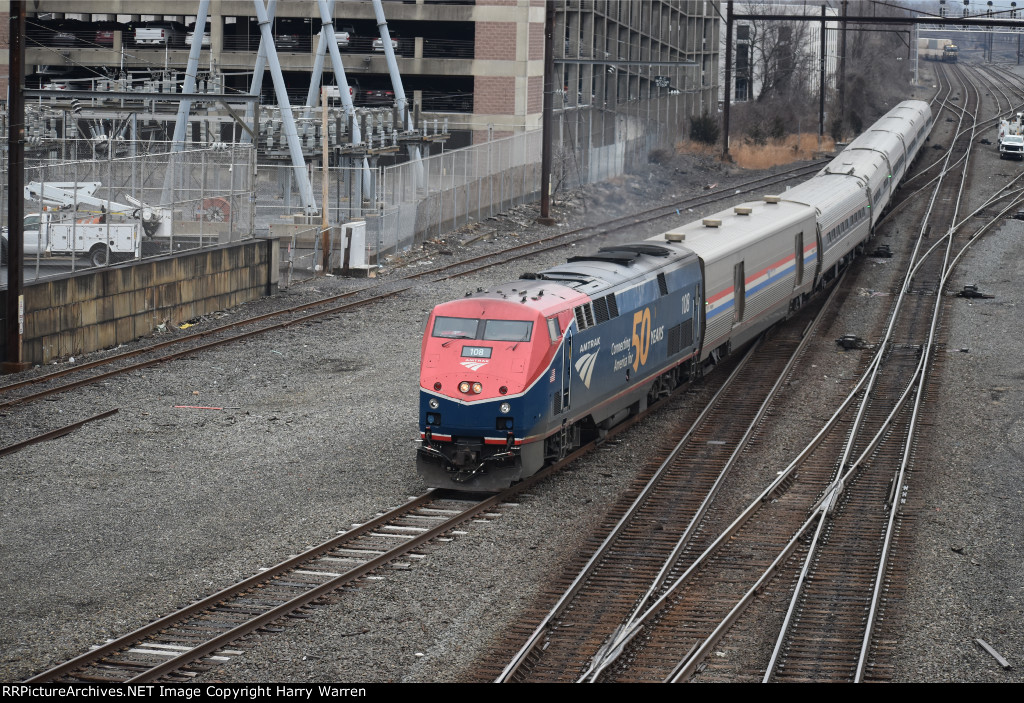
(351, 194)
(214, 195)
(95, 212)
(424, 199)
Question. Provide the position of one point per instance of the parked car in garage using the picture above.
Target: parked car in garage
(378, 44)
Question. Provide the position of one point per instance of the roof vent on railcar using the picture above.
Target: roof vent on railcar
(773, 199)
(743, 210)
(712, 222)
(675, 236)
(623, 258)
(649, 249)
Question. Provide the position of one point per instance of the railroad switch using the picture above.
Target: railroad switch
(852, 341)
(971, 291)
(882, 251)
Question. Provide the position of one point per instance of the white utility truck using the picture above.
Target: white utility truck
(1011, 146)
(78, 223)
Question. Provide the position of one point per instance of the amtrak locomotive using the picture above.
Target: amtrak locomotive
(519, 376)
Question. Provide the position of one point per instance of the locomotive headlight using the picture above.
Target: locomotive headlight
(433, 403)
(464, 387)
(478, 388)
(505, 408)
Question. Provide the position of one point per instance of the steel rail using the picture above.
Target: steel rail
(244, 585)
(741, 520)
(290, 606)
(900, 479)
(687, 666)
(53, 434)
(181, 340)
(192, 350)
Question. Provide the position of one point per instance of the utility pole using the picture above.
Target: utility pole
(548, 110)
(821, 98)
(842, 72)
(15, 307)
(728, 81)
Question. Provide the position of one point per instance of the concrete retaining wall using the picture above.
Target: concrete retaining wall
(100, 308)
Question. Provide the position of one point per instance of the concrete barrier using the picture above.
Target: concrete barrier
(100, 308)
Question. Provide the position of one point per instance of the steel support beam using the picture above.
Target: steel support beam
(185, 106)
(396, 82)
(287, 119)
(256, 87)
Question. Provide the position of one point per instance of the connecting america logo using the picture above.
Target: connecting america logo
(474, 365)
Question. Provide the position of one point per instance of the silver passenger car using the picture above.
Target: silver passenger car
(757, 258)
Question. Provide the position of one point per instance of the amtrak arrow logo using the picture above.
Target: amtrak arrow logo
(585, 366)
(474, 365)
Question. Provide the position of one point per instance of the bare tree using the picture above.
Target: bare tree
(778, 59)
(781, 60)
(878, 70)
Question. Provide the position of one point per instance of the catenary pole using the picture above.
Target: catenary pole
(15, 307)
(548, 109)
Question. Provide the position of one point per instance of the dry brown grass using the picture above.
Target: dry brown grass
(795, 147)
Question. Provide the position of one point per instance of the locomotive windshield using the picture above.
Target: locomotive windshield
(455, 327)
(492, 330)
(507, 330)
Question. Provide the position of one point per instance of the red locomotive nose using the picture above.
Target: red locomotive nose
(492, 344)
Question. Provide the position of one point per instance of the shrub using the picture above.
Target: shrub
(705, 129)
(659, 156)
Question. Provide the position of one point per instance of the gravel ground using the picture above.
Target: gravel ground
(134, 516)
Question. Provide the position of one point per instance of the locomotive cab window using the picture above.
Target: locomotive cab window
(554, 330)
(507, 330)
(455, 327)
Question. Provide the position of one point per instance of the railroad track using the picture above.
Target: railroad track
(179, 646)
(613, 583)
(841, 581)
(186, 642)
(821, 536)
